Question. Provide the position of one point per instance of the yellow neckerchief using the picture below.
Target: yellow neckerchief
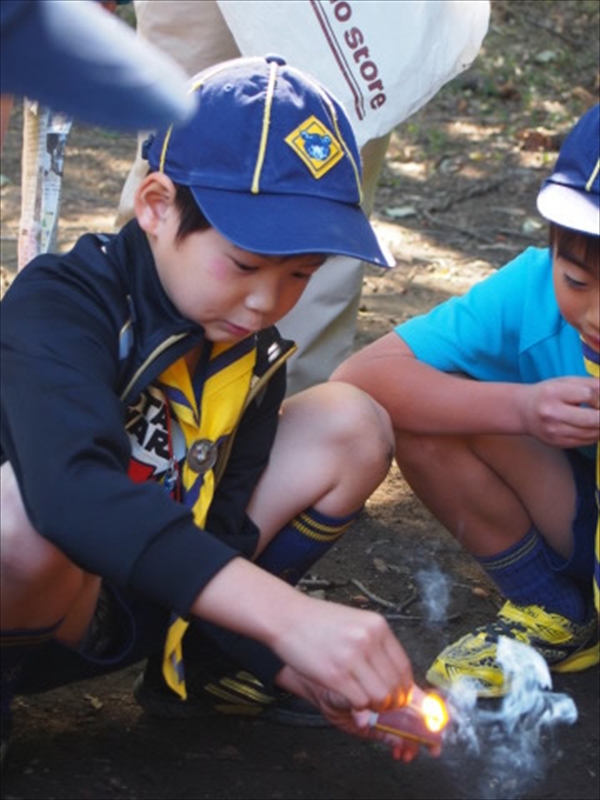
(204, 424)
(591, 360)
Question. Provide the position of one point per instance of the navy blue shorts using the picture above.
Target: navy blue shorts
(126, 629)
(580, 566)
(135, 628)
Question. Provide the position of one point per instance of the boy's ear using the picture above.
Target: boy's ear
(153, 199)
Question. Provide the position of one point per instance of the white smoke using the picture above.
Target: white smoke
(434, 589)
(513, 742)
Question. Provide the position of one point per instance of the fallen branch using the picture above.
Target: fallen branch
(476, 190)
(441, 224)
(372, 596)
(549, 29)
(317, 583)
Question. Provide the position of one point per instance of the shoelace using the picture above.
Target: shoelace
(503, 627)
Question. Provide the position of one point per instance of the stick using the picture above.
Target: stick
(374, 597)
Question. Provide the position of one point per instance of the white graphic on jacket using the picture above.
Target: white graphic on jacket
(157, 441)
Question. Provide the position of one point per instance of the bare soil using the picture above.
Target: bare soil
(456, 201)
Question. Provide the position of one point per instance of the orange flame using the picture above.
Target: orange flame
(422, 719)
(434, 713)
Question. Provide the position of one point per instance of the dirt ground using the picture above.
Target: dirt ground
(456, 201)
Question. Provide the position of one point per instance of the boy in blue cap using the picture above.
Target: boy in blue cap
(155, 501)
(506, 460)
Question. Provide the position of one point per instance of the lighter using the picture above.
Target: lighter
(422, 719)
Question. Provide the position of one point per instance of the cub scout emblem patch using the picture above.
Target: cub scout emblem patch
(316, 146)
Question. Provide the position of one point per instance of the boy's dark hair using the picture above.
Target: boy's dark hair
(566, 241)
(191, 217)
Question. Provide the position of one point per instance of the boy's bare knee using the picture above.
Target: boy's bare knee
(376, 429)
(360, 426)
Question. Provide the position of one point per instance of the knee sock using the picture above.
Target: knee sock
(525, 576)
(302, 542)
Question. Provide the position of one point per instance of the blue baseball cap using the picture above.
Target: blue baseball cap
(271, 159)
(75, 57)
(571, 195)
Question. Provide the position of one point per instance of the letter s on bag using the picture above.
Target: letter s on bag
(354, 37)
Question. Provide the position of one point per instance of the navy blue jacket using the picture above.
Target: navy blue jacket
(82, 334)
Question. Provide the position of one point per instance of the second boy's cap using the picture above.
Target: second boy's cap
(571, 195)
(272, 161)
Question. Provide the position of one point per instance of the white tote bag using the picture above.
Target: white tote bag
(383, 59)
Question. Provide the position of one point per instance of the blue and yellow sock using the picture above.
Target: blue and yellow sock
(525, 576)
(302, 542)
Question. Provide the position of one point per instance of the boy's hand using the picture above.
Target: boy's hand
(350, 651)
(563, 412)
(337, 710)
(329, 646)
(348, 663)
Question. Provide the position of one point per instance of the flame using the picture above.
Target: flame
(421, 719)
(435, 713)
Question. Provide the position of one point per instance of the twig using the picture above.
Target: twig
(549, 29)
(509, 232)
(372, 596)
(412, 598)
(441, 224)
(410, 618)
(476, 190)
(396, 610)
(317, 583)
(370, 549)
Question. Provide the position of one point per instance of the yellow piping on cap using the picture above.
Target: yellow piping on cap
(588, 186)
(265, 128)
(163, 152)
(193, 88)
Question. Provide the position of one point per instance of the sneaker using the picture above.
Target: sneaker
(566, 646)
(212, 690)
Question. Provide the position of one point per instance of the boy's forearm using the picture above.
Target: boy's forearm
(421, 399)
(432, 402)
(247, 600)
(349, 651)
